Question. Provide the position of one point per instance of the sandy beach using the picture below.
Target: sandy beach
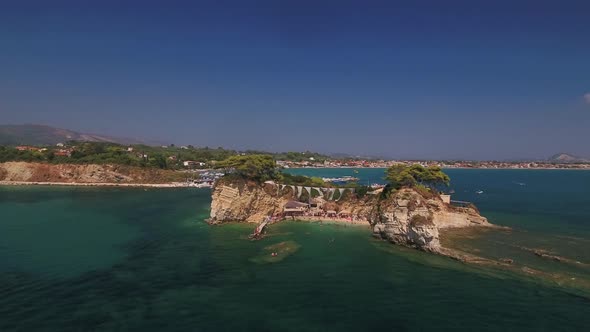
(337, 221)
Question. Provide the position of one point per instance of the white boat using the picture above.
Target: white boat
(479, 192)
(341, 179)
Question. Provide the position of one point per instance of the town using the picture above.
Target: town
(367, 163)
(205, 158)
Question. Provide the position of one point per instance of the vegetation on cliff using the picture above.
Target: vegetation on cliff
(260, 168)
(257, 167)
(169, 157)
(412, 176)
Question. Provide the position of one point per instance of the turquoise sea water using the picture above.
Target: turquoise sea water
(91, 259)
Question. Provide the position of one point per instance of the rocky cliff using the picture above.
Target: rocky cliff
(245, 201)
(409, 218)
(404, 217)
(75, 173)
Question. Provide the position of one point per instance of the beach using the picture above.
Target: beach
(336, 221)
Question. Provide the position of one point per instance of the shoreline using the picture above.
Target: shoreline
(96, 184)
(334, 221)
(447, 168)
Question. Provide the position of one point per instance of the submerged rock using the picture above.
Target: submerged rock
(277, 252)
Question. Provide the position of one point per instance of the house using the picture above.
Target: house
(317, 203)
(130, 149)
(27, 148)
(63, 153)
(60, 145)
(191, 163)
(294, 208)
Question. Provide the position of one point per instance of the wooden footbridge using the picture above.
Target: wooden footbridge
(260, 229)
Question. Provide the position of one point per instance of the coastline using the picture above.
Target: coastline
(96, 184)
(487, 168)
(334, 221)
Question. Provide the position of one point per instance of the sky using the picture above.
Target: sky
(399, 79)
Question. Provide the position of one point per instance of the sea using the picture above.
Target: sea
(125, 259)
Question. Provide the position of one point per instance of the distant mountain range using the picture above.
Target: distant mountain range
(30, 134)
(567, 158)
(339, 155)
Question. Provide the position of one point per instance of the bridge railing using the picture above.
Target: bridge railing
(460, 203)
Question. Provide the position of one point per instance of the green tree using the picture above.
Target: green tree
(399, 176)
(410, 176)
(255, 166)
(157, 160)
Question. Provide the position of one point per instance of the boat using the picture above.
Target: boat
(479, 192)
(341, 179)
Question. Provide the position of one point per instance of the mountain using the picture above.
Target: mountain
(567, 158)
(30, 134)
(338, 155)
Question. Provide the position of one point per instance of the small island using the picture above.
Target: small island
(410, 210)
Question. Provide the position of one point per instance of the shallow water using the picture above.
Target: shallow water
(83, 259)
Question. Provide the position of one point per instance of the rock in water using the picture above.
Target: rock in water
(282, 249)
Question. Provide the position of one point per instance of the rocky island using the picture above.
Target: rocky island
(409, 211)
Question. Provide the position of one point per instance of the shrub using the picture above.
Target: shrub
(253, 167)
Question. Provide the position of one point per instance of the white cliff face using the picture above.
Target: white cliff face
(243, 202)
(406, 219)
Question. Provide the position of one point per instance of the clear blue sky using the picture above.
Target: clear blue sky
(411, 79)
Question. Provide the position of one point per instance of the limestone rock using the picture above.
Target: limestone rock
(244, 202)
(407, 218)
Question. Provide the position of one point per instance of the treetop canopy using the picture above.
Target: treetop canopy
(255, 166)
(412, 175)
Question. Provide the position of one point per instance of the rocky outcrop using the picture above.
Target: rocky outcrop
(408, 218)
(404, 217)
(244, 201)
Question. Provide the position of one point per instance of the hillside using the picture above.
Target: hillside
(29, 134)
(567, 158)
(69, 173)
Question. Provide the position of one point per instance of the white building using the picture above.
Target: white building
(191, 163)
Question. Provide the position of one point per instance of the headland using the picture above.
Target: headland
(407, 216)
